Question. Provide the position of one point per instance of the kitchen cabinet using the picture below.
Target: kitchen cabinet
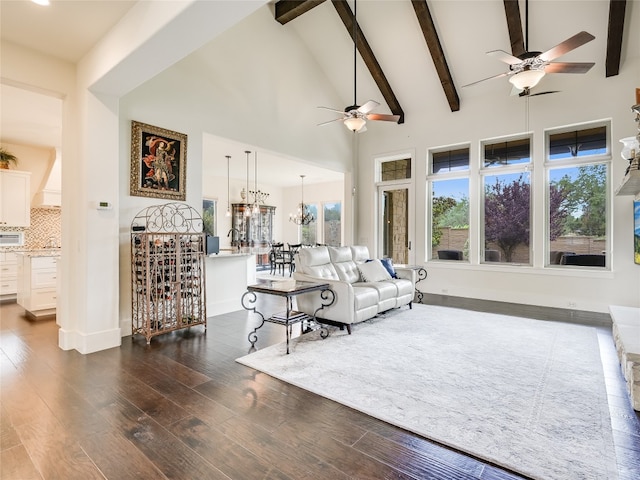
(37, 284)
(15, 198)
(8, 275)
(254, 230)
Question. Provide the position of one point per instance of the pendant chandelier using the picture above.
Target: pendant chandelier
(228, 214)
(304, 216)
(247, 207)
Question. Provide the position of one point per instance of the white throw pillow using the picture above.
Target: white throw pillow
(373, 271)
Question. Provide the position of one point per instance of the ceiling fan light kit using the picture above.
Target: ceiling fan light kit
(354, 124)
(528, 68)
(526, 79)
(354, 116)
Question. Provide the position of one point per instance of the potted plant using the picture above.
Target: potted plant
(7, 158)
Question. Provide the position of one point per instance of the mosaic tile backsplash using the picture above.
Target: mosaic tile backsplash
(45, 229)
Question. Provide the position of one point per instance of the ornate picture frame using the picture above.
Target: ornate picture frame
(158, 162)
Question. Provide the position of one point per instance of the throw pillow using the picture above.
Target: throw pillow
(373, 271)
(388, 264)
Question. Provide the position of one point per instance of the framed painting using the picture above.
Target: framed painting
(158, 162)
(636, 231)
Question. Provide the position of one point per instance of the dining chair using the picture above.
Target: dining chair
(276, 258)
(293, 249)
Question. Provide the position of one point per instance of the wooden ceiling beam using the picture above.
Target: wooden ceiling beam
(346, 15)
(437, 53)
(514, 23)
(614, 36)
(287, 10)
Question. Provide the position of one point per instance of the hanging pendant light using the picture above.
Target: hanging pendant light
(228, 214)
(355, 122)
(256, 209)
(247, 208)
(304, 216)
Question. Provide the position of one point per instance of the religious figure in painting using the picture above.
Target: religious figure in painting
(160, 162)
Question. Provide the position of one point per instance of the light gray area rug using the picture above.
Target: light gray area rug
(525, 394)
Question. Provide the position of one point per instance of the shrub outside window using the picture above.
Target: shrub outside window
(507, 192)
(449, 187)
(578, 162)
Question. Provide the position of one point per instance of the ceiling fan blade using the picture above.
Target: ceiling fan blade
(383, 117)
(330, 121)
(569, 44)
(543, 93)
(367, 107)
(489, 78)
(504, 57)
(332, 109)
(568, 67)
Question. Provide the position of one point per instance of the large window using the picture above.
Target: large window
(449, 185)
(332, 213)
(577, 166)
(507, 201)
(209, 213)
(309, 233)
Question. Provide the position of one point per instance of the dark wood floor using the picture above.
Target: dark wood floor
(182, 408)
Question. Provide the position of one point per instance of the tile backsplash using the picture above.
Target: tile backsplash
(45, 226)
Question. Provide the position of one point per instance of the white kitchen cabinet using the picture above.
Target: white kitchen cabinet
(15, 198)
(8, 275)
(37, 284)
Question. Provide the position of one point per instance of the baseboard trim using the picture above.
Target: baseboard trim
(89, 343)
(517, 309)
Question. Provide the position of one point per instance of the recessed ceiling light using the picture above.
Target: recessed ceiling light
(41, 2)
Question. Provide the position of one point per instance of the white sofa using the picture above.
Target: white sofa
(361, 289)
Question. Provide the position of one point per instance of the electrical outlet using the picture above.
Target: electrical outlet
(445, 290)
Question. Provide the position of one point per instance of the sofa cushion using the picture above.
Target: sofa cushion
(388, 264)
(373, 271)
(365, 297)
(316, 262)
(339, 254)
(345, 267)
(359, 253)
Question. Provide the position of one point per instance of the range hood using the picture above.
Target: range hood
(50, 195)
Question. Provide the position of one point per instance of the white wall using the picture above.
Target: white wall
(488, 111)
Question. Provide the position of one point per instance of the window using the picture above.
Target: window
(209, 215)
(449, 185)
(395, 170)
(577, 177)
(507, 201)
(332, 213)
(309, 233)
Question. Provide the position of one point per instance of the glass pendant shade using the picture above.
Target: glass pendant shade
(354, 123)
(526, 79)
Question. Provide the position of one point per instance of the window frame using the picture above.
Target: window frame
(509, 169)
(587, 160)
(440, 176)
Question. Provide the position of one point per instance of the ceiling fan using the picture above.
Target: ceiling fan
(355, 116)
(528, 68)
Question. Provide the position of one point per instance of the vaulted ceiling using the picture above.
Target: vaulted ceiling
(288, 10)
(417, 54)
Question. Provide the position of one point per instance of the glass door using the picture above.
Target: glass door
(395, 227)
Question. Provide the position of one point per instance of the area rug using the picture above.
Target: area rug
(525, 394)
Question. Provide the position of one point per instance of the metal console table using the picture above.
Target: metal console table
(288, 289)
(422, 274)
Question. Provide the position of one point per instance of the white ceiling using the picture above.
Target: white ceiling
(467, 30)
